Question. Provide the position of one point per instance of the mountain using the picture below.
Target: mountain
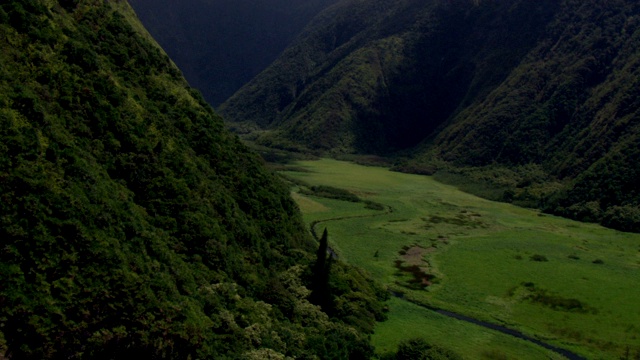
(378, 76)
(220, 45)
(132, 223)
(542, 91)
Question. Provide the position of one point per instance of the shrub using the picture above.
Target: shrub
(331, 192)
(368, 204)
(554, 301)
(625, 218)
(420, 349)
(494, 355)
(539, 258)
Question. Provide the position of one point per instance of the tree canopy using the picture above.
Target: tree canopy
(131, 222)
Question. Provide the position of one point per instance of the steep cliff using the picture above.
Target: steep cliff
(131, 221)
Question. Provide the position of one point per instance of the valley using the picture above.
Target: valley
(138, 222)
(570, 284)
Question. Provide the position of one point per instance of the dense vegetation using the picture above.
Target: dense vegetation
(132, 223)
(220, 45)
(534, 102)
(378, 76)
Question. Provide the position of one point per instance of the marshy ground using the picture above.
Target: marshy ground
(571, 284)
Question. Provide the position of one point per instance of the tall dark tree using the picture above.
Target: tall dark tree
(321, 255)
(321, 294)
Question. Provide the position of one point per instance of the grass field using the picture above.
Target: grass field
(571, 284)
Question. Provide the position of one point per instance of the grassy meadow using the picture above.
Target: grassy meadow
(571, 284)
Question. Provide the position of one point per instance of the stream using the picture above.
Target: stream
(500, 328)
(503, 329)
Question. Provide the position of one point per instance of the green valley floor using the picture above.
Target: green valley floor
(573, 285)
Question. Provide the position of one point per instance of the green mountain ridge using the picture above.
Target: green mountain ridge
(398, 72)
(132, 223)
(542, 93)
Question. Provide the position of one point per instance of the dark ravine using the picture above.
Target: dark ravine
(250, 33)
(500, 328)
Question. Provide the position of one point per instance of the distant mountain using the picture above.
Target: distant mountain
(220, 45)
(544, 85)
(378, 76)
(131, 222)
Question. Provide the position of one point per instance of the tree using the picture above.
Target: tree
(320, 291)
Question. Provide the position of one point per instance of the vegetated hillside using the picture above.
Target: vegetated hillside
(379, 76)
(538, 98)
(571, 106)
(220, 45)
(131, 222)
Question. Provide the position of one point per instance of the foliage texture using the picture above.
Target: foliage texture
(131, 222)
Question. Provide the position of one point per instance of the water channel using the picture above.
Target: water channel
(495, 327)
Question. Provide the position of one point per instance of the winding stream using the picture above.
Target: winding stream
(503, 329)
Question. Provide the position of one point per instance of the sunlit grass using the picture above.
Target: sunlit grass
(407, 320)
(482, 253)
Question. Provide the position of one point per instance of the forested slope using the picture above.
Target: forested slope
(544, 90)
(572, 106)
(131, 222)
(381, 75)
(220, 45)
